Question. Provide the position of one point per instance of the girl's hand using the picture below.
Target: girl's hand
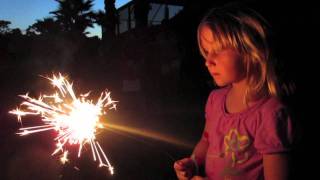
(184, 168)
(199, 178)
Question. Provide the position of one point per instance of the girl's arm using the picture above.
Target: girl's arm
(200, 151)
(276, 166)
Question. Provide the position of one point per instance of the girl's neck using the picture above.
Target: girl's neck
(239, 89)
(235, 101)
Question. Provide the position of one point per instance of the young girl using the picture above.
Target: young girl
(248, 132)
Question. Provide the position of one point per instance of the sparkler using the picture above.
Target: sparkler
(75, 119)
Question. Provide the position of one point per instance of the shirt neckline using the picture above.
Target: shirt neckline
(240, 113)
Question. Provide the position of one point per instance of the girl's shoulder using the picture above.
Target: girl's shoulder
(216, 97)
(272, 104)
(219, 92)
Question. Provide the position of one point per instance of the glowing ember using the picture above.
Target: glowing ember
(76, 119)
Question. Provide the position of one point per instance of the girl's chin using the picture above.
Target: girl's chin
(220, 83)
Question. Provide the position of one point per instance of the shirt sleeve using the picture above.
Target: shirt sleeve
(200, 151)
(274, 132)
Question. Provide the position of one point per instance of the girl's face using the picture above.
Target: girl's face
(225, 66)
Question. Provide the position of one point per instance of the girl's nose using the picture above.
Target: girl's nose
(210, 63)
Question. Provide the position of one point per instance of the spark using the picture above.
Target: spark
(64, 158)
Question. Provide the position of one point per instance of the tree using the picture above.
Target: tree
(100, 18)
(44, 27)
(16, 32)
(75, 16)
(108, 20)
(111, 15)
(4, 27)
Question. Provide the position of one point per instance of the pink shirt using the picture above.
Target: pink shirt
(237, 141)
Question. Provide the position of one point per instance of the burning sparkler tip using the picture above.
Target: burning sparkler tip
(76, 119)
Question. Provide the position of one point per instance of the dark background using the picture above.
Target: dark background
(173, 89)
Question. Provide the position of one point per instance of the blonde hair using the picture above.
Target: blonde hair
(245, 31)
